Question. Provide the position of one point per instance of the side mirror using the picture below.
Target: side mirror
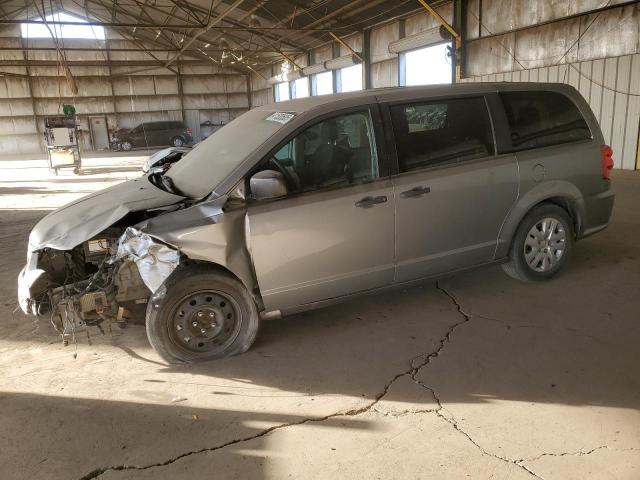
(268, 184)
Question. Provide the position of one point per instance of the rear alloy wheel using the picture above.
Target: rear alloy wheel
(126, 146)
(204, 315)
(544, 245)
(177, 141)
(541, 245)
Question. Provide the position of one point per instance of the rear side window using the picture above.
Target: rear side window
(541, 119)
(442, 131)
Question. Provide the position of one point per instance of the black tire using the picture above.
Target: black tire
(517, 266)
(126, 146)
(177, 141)
(169, 319)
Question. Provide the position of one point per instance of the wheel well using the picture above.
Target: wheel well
(255, 293)
(568, 206)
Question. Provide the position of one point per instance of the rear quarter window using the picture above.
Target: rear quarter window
(541, 119)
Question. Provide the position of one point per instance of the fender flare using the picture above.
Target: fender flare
(560, 192)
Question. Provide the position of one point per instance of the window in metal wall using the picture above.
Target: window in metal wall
(322, 83)
(40, 30)
(350, 78)
(300, 88)
(426, 66)
(282, 92)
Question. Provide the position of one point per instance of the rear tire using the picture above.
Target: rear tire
(205, 315)
(126, 146)
(542, 244)
(177, 141)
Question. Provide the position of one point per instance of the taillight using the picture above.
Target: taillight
(188, 130)
(606, 156)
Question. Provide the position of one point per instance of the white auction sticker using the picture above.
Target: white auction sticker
(280, 117)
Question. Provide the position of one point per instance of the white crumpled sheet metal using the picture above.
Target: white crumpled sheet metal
(155, 260)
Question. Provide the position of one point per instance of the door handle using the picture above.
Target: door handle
(367, 202)
(415, 192)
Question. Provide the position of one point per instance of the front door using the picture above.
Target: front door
(333, 234)
(453, 193)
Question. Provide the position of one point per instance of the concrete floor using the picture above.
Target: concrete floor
(475, 376)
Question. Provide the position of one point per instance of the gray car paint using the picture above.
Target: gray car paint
(320, 245)
(465, 208)
(78, 221)
(300, 250)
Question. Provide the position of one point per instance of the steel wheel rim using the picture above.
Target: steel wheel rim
(205, 322)
(545, 244)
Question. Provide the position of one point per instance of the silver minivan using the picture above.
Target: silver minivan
(300, 204)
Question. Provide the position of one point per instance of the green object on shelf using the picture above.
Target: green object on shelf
(69, 110)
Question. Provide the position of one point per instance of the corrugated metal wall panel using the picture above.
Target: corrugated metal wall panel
(147, 103)
(20, 143)
(384, 74)
(14, 87)
(18, 125)
(380, 39)
(202, 102)
(261, 97)
(631, 143)
(354, 41)
(611, 87)
(15, 107)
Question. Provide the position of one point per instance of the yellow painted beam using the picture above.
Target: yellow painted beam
(439, 18)
(343, 43)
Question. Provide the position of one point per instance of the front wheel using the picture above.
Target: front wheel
(126, 146)
(542, 244)
(204, 315)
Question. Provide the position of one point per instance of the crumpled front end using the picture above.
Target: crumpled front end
(156, 261)
(111, 276)
(103, 279)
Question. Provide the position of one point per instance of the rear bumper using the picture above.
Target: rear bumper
(597, 210)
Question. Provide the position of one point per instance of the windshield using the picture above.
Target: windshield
(200, 171)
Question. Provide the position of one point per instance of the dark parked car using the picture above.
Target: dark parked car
(152, 134)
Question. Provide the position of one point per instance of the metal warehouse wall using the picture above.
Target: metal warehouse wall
(598, 53)
(199, 93)
(612, 88)
(383, 64)
(538, 41)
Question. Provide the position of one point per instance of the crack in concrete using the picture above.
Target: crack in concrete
(579, 453)
(450, 419)
(412, 372)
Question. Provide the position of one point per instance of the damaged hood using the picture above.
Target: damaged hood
(82, 219)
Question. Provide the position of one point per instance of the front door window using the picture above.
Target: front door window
(335, 152)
